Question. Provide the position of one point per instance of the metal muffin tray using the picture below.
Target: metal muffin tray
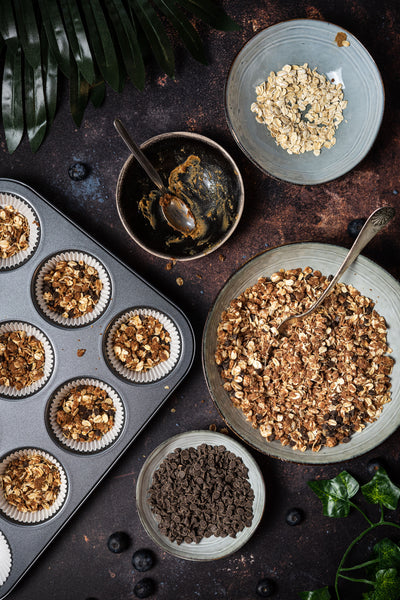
(24, 421)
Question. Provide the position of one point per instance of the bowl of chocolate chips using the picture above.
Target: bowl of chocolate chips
(200, 495)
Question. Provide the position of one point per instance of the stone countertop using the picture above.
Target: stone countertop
(78, 563)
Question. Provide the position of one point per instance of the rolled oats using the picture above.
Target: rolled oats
(72, 289)
(31, 483)
(301, 109)
(22, 359)
(141, 343)
(326, 380)
(14, 232)
(86, 413)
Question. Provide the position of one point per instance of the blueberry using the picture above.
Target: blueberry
(118, 542)
(265, 588)
(294, 516)
(355, 226)
(373, 465)
(78, 171)
(143, 560)
(144, 588)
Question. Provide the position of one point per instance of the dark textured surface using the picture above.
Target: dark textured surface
(78, 563)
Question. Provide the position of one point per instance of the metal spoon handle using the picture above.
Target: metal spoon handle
(139, 155)
(375, 222)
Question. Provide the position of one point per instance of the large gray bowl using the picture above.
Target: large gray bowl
(366, 276)
(313, 42)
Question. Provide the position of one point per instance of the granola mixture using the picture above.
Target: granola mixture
(21, 359)
(14, 232)
(72, 289)
(301, 108)
(326, 380)
(141, 343)
(86, 414)
(31, 483)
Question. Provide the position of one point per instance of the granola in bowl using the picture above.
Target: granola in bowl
(316, 387)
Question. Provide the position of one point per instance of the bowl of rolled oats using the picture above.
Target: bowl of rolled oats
(304, 100)
(327, 391)
(195, 169)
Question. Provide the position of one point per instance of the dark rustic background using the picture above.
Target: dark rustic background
(78, 564)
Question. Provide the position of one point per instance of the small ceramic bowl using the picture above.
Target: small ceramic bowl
(208, 548)
(316, 43)
(212, 188)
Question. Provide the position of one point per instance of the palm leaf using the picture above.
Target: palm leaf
(50, 76)
(125, 33)
(187, 32)
(77, 38)
(55, 33)
(11, 99)
(28, 31)
(101, 42)
(35, 105)
(8, 27)
(209, 12)
(97, 93)
(155, 33)
(78, 94)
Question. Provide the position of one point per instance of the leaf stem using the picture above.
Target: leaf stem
(362, 512)
(354, 542)
(360, 566)
(357, 580)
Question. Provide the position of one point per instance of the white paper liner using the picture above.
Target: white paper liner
(104, 293)
(160, 370)
(34, 230)
(30, 518)
(12, 392)
(5, 559)
(94, 445)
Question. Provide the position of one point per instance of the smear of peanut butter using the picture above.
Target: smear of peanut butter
(341, 39)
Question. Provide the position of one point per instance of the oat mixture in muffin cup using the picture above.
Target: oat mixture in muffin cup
(19, 231)
(143, 345)
(33, 486)
(72, 289)
(86, 415)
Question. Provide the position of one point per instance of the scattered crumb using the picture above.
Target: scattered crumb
(173, 410)
(81, 352)
(213, 427)
(179, 281)
(221, 257)
(341, 39)
(224, 430)
(199, 276)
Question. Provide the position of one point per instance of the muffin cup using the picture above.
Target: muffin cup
(94, 445)
(5, 559)
(31, 518)
(154, 373)
(82, 320)
(12, 392)
(27, 211)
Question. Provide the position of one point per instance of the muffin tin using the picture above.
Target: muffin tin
(79, 353)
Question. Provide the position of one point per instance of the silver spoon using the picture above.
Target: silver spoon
(375, 222)
(176, 212)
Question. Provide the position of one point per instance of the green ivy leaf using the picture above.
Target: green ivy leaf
(381, 490)
(321, 594)
(387, 585)
(335, 493)
(388, 553)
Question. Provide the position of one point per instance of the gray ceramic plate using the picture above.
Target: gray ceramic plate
(313, 42)
(213, 547)
(366, 276)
